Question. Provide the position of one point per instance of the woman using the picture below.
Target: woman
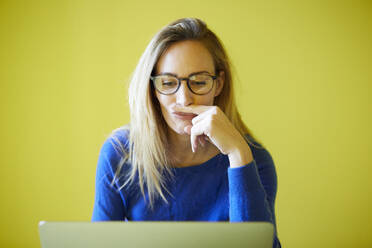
(186, 154)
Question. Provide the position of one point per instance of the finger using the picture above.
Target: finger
(195, 109)
(197, 143)
(187, 129)
(199, 129)
(201, 141)
(200, 117)
(192, 143)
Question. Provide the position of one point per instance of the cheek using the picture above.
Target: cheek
(161, 100)
(207, 99)
(164, 101)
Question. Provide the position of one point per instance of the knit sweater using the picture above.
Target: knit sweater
(211, 191)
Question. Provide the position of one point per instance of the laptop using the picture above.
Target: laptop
(146, 234)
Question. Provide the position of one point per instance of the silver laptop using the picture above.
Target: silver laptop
(155, 234)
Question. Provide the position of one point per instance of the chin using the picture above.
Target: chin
(179, 127)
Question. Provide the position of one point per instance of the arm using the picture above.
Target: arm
(253, 190)
(108, 203)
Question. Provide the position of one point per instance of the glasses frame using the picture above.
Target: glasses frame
(180, 79)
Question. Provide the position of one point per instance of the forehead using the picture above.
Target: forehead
(185, 57)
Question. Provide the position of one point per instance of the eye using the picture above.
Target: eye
(198, 83)
(168, 83)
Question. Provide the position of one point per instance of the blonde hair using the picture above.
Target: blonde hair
(147, 152)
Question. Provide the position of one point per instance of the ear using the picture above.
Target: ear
(220, 81)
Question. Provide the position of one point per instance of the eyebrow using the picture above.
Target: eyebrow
(173, 74)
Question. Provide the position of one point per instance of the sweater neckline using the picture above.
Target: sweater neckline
(207, 165)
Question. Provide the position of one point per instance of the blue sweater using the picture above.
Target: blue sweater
(211, 191)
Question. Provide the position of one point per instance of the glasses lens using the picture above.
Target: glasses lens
(166, 84)
(201, 83)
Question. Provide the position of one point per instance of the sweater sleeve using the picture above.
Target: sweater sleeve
(252, 191)
(109, 202)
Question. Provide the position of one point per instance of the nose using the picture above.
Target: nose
(184, 95)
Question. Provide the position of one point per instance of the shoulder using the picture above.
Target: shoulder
(262, 156)
(114, 148)
(259, 152)
(117, 142)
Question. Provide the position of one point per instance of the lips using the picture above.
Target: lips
(184, 116)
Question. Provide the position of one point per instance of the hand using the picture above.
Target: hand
(212, 125)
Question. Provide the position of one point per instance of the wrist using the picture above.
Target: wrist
(240, 156)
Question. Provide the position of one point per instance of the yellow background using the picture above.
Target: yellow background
(304, 88)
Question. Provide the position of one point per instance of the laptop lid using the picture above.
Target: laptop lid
(155, 234)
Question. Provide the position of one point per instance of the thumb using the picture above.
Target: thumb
(187, 129)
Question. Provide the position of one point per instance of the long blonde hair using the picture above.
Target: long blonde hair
(147, 149)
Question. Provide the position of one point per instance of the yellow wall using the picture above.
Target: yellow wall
(304, 70)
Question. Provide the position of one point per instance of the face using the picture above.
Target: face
(182, 59)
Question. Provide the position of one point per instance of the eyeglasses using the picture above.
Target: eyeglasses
(199, 83)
